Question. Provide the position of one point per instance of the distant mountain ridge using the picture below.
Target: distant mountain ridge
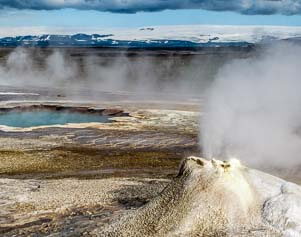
(96, 40)
(162, 37)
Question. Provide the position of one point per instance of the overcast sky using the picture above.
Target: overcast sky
(137, 13)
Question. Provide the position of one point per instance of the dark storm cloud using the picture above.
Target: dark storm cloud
(264, 7)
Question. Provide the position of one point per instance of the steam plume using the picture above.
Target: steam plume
(253, 108)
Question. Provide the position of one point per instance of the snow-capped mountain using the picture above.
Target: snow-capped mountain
(161, 37)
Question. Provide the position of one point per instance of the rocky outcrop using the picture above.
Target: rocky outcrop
(215, 198)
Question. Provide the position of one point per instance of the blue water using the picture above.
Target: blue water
(42, 118)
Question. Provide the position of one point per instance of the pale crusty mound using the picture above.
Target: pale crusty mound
(215, 198)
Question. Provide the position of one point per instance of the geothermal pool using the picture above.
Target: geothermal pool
(26, 119)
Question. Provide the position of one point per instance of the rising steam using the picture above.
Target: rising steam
(29, 67)
(253, 109)
(21, 69)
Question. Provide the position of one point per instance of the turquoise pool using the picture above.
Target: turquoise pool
(25, 119)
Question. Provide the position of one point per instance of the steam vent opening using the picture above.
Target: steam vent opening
(54, 115)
